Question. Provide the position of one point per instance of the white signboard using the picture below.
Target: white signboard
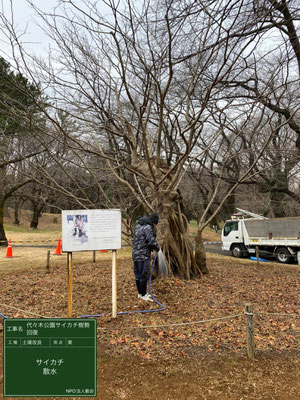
(91, 230)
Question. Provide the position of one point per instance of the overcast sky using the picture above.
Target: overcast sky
(24, 19)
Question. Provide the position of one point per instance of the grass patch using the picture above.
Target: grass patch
(209, 234)
(193, 224)
(9, 228)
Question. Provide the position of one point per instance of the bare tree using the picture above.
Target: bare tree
(272, 79)
(145, 85)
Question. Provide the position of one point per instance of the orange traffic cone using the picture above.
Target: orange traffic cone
(58, 248)
(9, 249)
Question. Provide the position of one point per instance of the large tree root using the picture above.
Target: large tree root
(177, 247)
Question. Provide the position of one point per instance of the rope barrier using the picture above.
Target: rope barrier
(174, 325)
(162, 325)
(31, 241)
(41, 246)
(26, 312)
(55, 241)
(18, 258)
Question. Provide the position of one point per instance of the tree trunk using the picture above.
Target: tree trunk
(173, 228)
(17, 203)
(3, 240)
(173, 237)
(200, 254)
(229, 206)
(35, 217)
(277, 204)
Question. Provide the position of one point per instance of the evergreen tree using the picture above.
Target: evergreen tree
(19, 109)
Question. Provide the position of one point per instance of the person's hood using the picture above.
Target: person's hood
(145, 221)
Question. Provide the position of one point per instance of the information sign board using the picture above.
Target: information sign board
(50, 357)
(91, 230)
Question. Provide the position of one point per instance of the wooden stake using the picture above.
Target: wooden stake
(70, 277)
(114, 283)
(257, 255)
(249, 331)
(48, 261)
(94, 256)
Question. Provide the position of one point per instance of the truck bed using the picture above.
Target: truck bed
(279, 228)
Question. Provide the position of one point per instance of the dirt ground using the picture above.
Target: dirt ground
(196, 347)
(212, 377)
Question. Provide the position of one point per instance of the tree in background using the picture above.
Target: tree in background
(18, 113)
(274, 83)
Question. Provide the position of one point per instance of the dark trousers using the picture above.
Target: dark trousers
(141, 272)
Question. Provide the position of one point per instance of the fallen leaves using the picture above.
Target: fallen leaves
(224, 292)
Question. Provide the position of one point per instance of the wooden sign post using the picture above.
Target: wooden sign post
(70, 282)
(114, 283)
(257, 255)
(249, 330)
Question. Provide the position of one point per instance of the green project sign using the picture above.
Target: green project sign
(50, 357)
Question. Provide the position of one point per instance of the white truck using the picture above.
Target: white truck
(275, 236)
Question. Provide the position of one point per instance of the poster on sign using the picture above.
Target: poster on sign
(91, 230)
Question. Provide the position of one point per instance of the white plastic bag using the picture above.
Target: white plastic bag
(162, 264)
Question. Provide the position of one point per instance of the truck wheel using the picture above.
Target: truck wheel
(236, 251)
(283, 255)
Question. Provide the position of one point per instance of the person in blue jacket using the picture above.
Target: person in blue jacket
(144, 241)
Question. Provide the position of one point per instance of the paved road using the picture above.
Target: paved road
(216, 248)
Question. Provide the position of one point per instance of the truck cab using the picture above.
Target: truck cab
(233, 238)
